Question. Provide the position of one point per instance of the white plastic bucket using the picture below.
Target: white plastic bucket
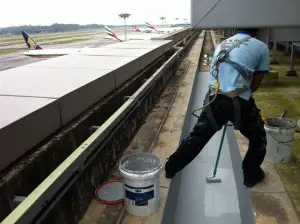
(140, 173)
(280, 138)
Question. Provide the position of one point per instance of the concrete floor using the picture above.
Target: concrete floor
(270, 201)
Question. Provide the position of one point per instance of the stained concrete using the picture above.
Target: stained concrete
(273, 208)
(270, 201)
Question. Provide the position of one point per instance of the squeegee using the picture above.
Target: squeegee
(214, 179)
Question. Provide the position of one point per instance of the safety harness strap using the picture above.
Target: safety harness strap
(226, 50)
(224, 53)
(223, 57)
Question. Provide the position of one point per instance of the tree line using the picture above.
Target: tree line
(54, 28)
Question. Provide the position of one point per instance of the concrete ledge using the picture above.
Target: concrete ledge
(155, 48)
(74, 89)
(145, 54)
(175, 37)
(214, 38)
(24, 122)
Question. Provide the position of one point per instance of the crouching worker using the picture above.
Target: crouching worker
(237, 70)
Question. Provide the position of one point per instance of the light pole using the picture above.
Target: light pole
(125, 16)
(162, 20)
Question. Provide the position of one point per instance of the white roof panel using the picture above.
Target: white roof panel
(25, 122)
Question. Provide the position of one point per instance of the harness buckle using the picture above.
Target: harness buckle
(221, 56)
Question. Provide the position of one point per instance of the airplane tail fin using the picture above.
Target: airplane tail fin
(31, 43)
(111, 33)
(151, 26)
(136, 28)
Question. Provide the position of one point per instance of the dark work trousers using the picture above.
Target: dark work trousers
(252, 127)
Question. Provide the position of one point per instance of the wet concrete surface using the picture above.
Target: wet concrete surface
(270, 201)
(269, 209)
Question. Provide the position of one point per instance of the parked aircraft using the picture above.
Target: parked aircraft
(112, 35)
(143, 30)
(35, 50)
(164, 29)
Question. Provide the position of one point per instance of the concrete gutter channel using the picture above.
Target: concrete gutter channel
(67, 200)
(189, 194)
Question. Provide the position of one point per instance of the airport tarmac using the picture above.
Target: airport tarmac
(44, 42)
(16, 59)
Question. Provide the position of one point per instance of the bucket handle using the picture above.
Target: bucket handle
(283, 143)
(278, 142)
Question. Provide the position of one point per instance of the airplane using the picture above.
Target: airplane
(153, 29)
(165, 29)
(112, 35)
(143, 30)
(36, 51)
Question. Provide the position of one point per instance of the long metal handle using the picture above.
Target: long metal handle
(220, 149)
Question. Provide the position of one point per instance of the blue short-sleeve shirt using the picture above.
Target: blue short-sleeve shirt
(252, 56)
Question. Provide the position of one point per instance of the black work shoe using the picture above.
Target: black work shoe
(252, 181)
(169, 172)
(170, 175)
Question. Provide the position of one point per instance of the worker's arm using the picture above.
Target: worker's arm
(261, 70)
(256, 81)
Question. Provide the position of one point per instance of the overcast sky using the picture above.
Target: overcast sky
(37, 12)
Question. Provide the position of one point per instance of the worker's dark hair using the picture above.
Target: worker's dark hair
(252, 31)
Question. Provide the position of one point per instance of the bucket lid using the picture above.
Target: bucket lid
(280, 123)
(140, 163)
(110, 192)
